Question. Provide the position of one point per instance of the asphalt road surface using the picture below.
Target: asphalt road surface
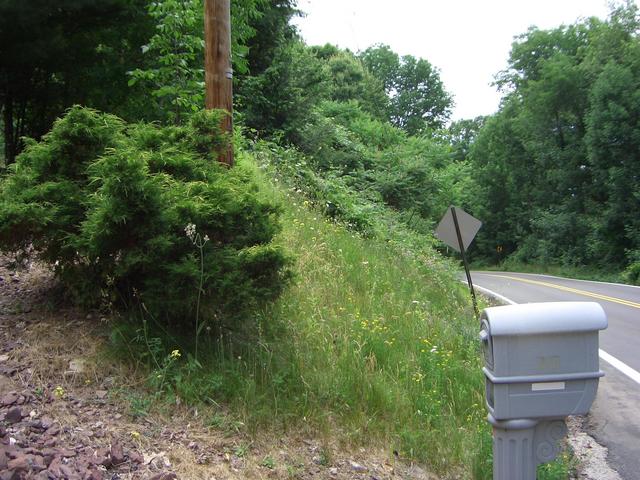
(615, 415)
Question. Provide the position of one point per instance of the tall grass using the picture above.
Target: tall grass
(375, 342)
(372, 340)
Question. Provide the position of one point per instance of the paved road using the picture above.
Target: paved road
(615, 415)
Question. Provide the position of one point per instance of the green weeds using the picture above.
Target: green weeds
(375, 342)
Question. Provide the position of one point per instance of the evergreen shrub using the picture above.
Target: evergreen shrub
(108, 205)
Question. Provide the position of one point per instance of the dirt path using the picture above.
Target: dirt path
(65, 411)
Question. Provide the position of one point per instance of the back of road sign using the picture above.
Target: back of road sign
(446, 230)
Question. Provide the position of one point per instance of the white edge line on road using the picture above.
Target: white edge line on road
(610, 359)
(621, 366)
(497, 296)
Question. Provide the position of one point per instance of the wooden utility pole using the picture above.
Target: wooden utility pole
(218, 76)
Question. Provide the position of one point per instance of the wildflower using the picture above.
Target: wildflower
(206, 238)
(135, 435)
(175, 354)
(58, 392)
(190, 231)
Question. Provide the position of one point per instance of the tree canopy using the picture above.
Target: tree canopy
(418, 99)
(558, 166)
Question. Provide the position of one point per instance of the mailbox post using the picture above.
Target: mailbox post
(541, 365)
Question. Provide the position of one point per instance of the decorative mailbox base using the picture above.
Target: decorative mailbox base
(519, 446)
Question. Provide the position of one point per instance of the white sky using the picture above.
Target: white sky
(467, 40)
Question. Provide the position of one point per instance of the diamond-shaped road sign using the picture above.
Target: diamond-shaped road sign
(446, 230)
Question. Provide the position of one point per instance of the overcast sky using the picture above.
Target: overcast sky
(467, 40)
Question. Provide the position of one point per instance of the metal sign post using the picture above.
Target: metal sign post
(464, 261)
(458, 229)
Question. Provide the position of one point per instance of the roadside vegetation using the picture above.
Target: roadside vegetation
(302, 289)
(556, 167)
(566, 271)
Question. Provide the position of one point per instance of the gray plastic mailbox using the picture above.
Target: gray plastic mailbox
(541, 365)
(541, 359)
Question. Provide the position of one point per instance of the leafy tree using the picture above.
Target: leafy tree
(614, 144)
(352, 81)
(555, 168)
(176, 73)
(71, 51)
(281, 99)
(418, 100)
(174, 70)
(461, 134)
(273, 31)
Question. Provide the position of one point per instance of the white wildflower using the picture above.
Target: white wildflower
(190, 230)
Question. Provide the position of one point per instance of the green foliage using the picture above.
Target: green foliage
(280, 100)
(356, 343)
(348, 150)
(351, 81)
(632, 273)
(273, 30)
(108, 204)
(176, 74)
(555, 180)
(60, 53)
(462, 134)
(418, 100)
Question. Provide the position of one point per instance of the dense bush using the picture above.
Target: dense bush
(108, 204)
(348, 148)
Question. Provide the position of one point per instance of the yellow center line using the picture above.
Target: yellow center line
(628, 303)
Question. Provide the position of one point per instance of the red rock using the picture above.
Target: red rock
(8, 475)
(68, 473)
(101, 394)
(51, 442)
(14, 415)
(47, 459)
(94, 475)
(164, 476)
(102, 457)
(55, 468)
(37, 463)
(11, 451)
(19, 464)
(135, 457)
(9, 399)
(66, 452)
(47, 422)
(117, 455)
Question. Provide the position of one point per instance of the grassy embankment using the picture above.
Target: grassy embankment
(374, 343)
